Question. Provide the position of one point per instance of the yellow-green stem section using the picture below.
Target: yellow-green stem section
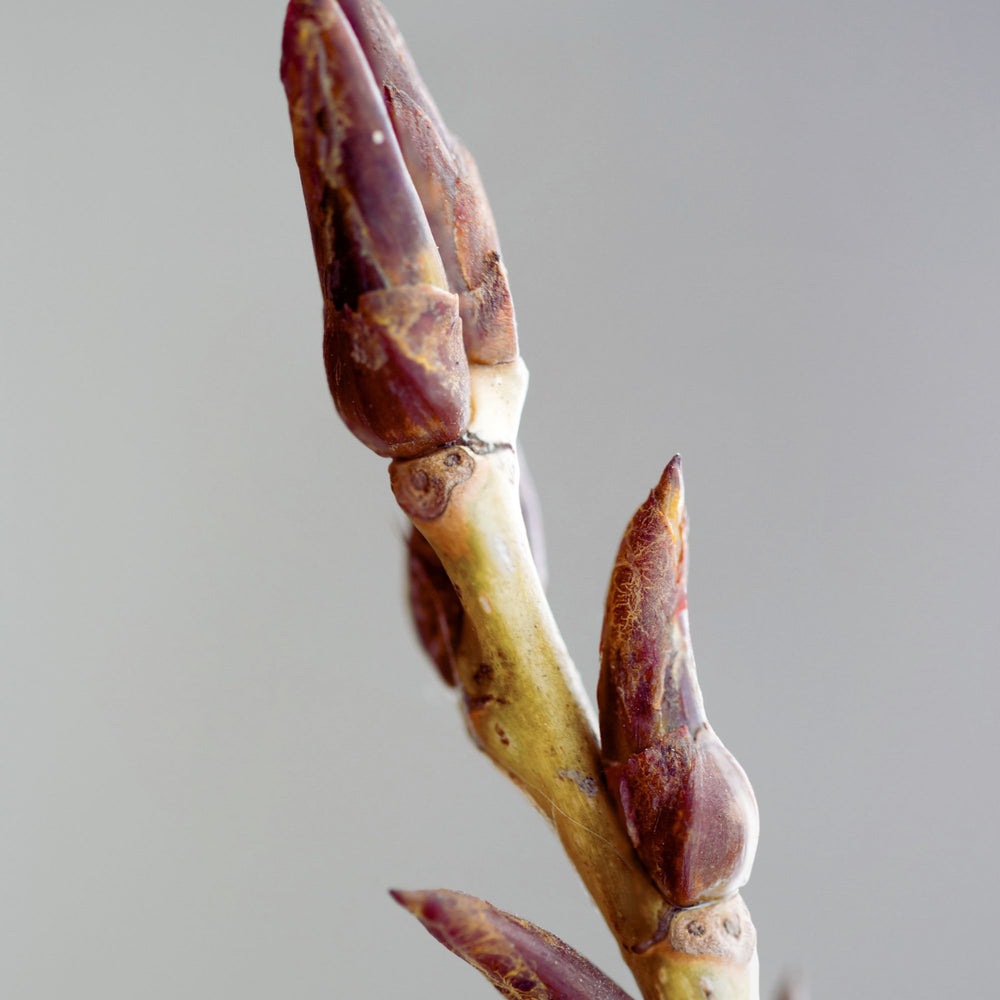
(526, 709)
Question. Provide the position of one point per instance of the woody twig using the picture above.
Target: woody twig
(423, 364)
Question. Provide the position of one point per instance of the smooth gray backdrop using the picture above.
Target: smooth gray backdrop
(763, 234)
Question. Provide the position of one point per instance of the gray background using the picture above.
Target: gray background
(762, 234)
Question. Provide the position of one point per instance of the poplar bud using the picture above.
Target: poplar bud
(407, 252)
(393, 346)
(522, 961)
(687, 804)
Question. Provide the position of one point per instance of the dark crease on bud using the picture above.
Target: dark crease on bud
(687, 804)
(521, 960)
(435, 606)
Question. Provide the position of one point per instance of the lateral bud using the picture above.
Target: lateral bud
(435, 606)
(522, 961)
(687, 805)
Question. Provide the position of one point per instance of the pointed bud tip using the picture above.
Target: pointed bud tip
(424, 904)
(409, 900)
(669, 493)
(672, 479)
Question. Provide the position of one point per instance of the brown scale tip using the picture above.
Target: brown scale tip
(669, 492)
(686, 803)
(522, 961)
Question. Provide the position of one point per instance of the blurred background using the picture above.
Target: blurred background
(764, 235)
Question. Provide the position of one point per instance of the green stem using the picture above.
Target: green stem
(526, 709)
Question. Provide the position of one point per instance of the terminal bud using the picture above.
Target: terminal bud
(393, 344)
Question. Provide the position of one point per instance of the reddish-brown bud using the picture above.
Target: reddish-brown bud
(687, 804)
(437, 611)
(448, 184)
(393, 339)
(521, 960)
